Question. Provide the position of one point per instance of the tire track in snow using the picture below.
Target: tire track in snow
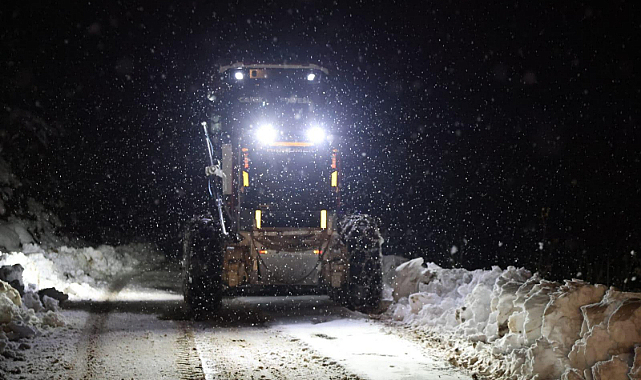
(187, 360)
(262, 353)
(95, 326)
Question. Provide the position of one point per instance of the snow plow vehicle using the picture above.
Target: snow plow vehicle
(274, 176)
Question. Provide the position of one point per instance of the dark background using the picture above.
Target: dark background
(484, 133)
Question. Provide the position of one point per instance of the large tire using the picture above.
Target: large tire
(202, 265)
(364, 285)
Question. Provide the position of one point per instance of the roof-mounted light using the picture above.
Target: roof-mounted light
(316, 134)
(266, 134)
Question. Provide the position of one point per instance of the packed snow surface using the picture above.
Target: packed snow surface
(511, 324)
(362, 349)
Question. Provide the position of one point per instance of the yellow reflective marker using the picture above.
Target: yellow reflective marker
(259, 217)
(245, 179)
(335, 179)
(323, 219)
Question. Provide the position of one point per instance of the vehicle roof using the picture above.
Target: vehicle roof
(240, 65)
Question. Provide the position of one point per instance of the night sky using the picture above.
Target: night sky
(484, 133)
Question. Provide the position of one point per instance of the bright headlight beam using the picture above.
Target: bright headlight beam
(266, 134)
(311, 76)
(315, 134)
(238, 75)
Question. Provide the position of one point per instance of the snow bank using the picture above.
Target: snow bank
(510, 324)
(389, 265)
(17, 233)
(23, 219)
(31, 283)
(24, 317)
(81, 273)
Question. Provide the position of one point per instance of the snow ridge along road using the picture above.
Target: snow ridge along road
(140, 331)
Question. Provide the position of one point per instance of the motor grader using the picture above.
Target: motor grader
(274, 177)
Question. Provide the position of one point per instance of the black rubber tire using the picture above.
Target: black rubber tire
(364, 285)
(203, 265)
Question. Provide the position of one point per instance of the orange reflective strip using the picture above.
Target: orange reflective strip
(291, 143)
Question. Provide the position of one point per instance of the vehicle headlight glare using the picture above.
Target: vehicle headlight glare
(315, 134)
(239, 75)
(311, 76)
(266, 134)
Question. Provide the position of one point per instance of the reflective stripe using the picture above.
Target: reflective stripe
(259, 217)
(335, 179)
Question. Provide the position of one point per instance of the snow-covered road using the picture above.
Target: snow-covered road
(307, 337)
(140, 331)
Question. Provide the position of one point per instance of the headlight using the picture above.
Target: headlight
(311, 76)
(266, 134)
(239, 75)
(316, 135)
